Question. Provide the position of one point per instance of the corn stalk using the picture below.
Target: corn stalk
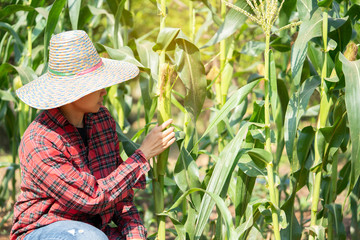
(163, 106)
(323, 115)
(265, 13)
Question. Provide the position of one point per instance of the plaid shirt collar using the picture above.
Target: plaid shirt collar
(59, 119)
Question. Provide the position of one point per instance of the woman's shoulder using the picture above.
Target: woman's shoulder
(40, 130)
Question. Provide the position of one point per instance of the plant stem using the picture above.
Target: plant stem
(218, 83)
(320, 124)
(29, 31)
(163, 114)
(270, 171)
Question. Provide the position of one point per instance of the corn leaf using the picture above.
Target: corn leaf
(244, 187)
(295, 110)
(192, 73)
(233, 21)
(338, 226)
(166, 39)
(261, 157)
(186, 172)
(306, 8)
(122, 54)
(11, 30)
(223, 169)
(129, 146)
(225, 213)
(74, 10)
(308, 30)
(352, 99)
(10, 9)
(230, 104)
(53, 18)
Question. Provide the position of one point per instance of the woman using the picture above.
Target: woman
(74, 182)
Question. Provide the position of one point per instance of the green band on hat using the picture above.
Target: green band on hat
(60, 73)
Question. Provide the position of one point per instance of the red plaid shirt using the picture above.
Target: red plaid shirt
(64, 180)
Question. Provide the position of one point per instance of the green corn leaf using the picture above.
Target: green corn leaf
(30, 18)
(248, 223)
(74, 10)
(122, 54)
(261, 157)
(304, 143)
(247, 166)
(299, 179)
(100, 11)
(52, 21)
(306, 8)
(166, 39)
(335, 134)
(186, 172)
(4, 164)
(253, 48)
(26, 73)
(222, 171)
(11, 9)
(230, 104)
(308, 30)
(295, 110)
(284, 16)
(7, 96)
(353, 13)
(338, 226)
(341, 36)
(118, 41)
(233, 21)
(146, 84)
(225, 213)
(148, 57)
(281, 44)
(318, 230)
(315, 56)
(354, 204)
(192, 73)
(244, 189)
(325, 3)
(293, 230)
(344, 176)
(129, 146)
(11, 30)
(215, 17)
(352, 99)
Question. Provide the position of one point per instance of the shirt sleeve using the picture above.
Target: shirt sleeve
(54, 174)
(128, 220)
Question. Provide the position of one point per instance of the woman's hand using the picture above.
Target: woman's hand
(158, 140)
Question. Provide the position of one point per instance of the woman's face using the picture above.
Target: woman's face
(90, 103)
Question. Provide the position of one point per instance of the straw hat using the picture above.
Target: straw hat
(75, 70)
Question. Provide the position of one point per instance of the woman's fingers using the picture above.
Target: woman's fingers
(170, 142)
(165, 124)
(168, 131)
(167, 138)
(158, 140)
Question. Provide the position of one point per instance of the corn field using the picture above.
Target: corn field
(265, 97)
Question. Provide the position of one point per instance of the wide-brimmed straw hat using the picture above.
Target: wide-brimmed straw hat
(75, 70)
